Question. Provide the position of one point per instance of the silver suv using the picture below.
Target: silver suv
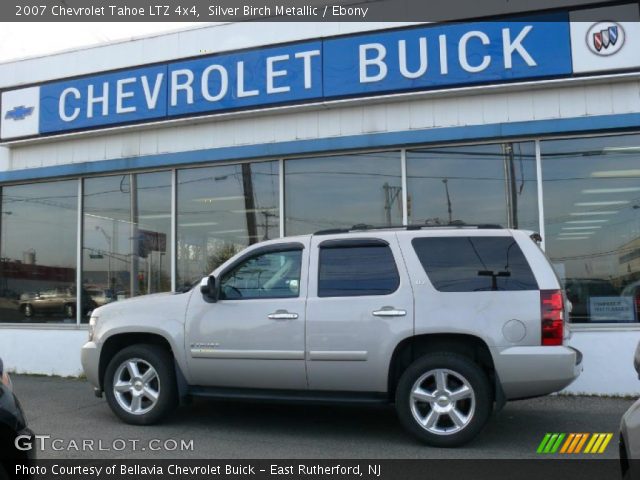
(444, 322)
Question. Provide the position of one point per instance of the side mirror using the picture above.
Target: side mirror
(208, 288)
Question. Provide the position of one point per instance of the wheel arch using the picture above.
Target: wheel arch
(470, 346)
(117, 342)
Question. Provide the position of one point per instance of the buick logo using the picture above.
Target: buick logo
(605, 38)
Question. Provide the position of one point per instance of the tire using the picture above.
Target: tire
(27, 310)
(430, 412)
(140, 385)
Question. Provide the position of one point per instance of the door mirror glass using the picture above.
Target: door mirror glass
(208, 288)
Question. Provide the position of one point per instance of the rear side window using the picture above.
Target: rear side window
(474, 264)
(357, 270)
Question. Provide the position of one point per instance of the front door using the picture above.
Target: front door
(253, 336)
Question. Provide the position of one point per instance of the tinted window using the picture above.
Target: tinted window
(353, 271)
(473, 264)
(270, 275)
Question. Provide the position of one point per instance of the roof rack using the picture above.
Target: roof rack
(360, 227)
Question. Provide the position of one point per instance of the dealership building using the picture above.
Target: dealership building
(137, 167)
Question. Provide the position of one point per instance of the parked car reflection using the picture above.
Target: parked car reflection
(57, 301)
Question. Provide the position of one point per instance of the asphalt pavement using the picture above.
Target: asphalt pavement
(82, 426)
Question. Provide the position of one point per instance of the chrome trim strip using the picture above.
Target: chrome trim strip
(339, 355)
(248, 354)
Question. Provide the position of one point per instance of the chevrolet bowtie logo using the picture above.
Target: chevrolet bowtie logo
(18, 113)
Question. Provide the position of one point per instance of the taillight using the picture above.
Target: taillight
(552, 313)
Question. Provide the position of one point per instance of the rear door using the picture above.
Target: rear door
(359, 307)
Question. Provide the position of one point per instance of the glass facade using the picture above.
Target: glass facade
(220, 211)
(590, 196)
(126, 237)
(38, 252)
(342, 191)
(473, 184)
(592, 224)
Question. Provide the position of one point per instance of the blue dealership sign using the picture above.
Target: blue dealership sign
(447, 56)
(373, 63)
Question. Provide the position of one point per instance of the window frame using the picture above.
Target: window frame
(334, 244)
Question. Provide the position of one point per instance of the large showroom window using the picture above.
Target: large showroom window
(126, 238)
(221, 210)
(38, 252)
(473, 184)
(342, 191)
(592, 228)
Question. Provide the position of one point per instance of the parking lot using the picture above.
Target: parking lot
(67, 410)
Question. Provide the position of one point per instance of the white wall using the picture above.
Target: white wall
(608, 362)
(476, 106)
(46, 351)
(608, 357)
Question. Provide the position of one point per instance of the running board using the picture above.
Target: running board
(290, 396)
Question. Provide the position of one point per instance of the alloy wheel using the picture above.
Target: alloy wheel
(136, 386)
(442, 401)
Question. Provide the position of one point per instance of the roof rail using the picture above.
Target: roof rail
(364, 227)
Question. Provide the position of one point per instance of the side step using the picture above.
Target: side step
(291, 396)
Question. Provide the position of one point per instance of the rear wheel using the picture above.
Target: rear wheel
(444, 399)
(140, 384)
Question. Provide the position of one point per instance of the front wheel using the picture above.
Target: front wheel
(444, 399)
(140, 384)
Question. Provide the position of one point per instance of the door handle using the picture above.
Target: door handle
(389, 312)
(282, 315)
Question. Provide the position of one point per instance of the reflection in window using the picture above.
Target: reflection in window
(474, 264)
(592, 208)
(342, 191)
(38, 253)
(357, 271)
(221, 210)
(270, 275)
(473, 184)
(127, 224)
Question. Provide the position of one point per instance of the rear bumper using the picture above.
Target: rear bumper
(536, 370)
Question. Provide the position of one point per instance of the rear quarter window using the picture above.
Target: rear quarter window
(474, 264)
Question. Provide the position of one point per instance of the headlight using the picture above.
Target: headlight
(92, 326)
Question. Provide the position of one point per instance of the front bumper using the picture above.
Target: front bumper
(532, 371)
(90, 358)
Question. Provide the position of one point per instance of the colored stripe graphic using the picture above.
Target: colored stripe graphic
(600, 443)
(551, 443)
(573, 443)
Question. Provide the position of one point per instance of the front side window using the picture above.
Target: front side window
(267, 275)
(357, 270)
(474, 264)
